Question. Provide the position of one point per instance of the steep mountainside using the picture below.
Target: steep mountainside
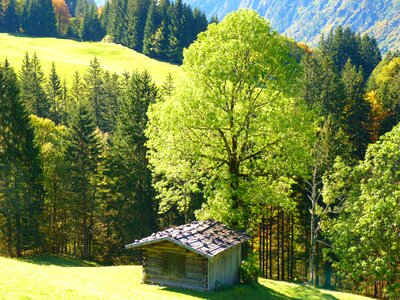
(305, 20)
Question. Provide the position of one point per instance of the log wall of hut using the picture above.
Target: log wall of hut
(168, 264)
(223, 269)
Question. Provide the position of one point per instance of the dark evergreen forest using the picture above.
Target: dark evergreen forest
(159, 29)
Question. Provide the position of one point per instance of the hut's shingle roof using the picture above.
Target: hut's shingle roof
(207, 238)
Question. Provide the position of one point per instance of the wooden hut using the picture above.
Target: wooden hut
(199, 256)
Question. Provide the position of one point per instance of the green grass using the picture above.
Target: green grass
(71, 56)
(56, 277)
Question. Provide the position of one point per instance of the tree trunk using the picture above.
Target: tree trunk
(9, 236)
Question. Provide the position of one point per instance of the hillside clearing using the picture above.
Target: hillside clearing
(71, 56)
(63, 278)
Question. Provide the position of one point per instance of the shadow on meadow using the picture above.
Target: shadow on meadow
(256, 291)
(57, 260)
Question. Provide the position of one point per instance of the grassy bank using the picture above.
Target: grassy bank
(55, 277)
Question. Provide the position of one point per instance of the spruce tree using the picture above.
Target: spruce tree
(91, 29)
(20, 203)
(111, 103)
(94, 91)
(55, 93)
(84, 155)
(39, 18)
(176, 33)
(168, 86)
(356, 110)
(32, 81)
(130, 177)
(11, 18)
(117, 22)
(152, 23)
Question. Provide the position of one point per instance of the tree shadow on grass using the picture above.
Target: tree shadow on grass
(255, 291)
(57, 260)
(237, 292)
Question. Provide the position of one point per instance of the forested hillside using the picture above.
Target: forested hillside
(159, 29)
(298, 147)
(305, 20)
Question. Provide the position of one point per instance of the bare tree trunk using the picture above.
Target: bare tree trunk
(9, 236)
(278, 244)
(270, 242)
(283, 245)
(313, 198)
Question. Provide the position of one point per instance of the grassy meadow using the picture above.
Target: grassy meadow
(71, 56)
(54, 277)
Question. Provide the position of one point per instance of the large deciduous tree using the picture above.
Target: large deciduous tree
(365, 236)
(233, 130)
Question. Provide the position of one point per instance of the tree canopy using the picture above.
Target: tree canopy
(233, 130)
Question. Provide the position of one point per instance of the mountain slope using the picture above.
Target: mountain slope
(305, 20)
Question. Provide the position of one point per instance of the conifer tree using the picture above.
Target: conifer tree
(116, 25)
(91, 29)
(32, 93)
(112, 94)
(168, 86)
(11, 18)
(2, 14)
(20, 188)
(153, 21)
(39, 18)
(176, 34)
(94, 91)
(356, 110)
(134, 194)
(55, 93)
(84, 154)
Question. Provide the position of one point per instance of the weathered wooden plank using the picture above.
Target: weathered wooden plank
(196, 287)
(155, 276)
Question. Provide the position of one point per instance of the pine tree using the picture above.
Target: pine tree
(20, 188)
(54, 94)
(91, 29)
(77, 88)
(111, 103)
(117, 22)
(176, 34)
(94, 91)
(356, 110)
(168, 86)
(133, 194)
(11, 18)
(153, 21)
(370, 54)
(105, 15)
(39, 18)
(32, 93)
(84, 154)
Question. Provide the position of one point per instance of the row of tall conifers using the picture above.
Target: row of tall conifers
(160, 29)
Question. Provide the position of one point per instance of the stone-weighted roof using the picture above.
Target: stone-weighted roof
(207, 238)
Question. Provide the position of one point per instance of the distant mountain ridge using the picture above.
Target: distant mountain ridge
(305, 20)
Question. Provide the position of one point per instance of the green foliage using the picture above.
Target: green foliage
(90, 27)
(130, 201)
(221, 132)
(365, 235)
(158, 28)
(38, 18)
(84, 154)
(32, 86)
(20, 173)
(249, 270)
